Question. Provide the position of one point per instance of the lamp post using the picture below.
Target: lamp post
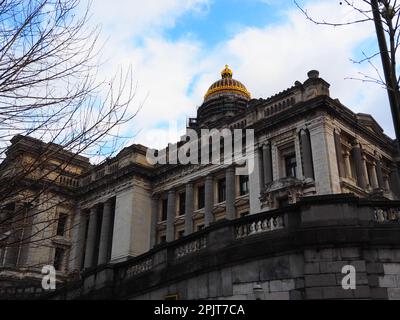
(388, 69)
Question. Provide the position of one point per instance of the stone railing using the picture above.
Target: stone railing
(279, 106)
(190, 247)
(139, 268)
(100, 174)
(242, 238)
(113, 168)
(387, 215)
(260, 225)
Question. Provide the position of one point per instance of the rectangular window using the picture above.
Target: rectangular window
(200, 197)
(62, 224)
(291, 166)
(182, 203)
(221, 190)
(59, 258)
(244, 185)
(283, 202)
(164, 210)
(163, 239)
(181, 234)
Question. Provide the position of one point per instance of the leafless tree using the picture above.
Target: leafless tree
(363, 13)
(50, 91)
(385, 16)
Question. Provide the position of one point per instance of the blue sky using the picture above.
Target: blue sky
(223, 19)
(177, 49)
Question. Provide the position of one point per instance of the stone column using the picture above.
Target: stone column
(395, 181)
(91, 238)
(189, 208)
(230, 193)
(78, 241)
(105, 233)
(171, 215)
(386, 184)
(365, 168)
(154, 220)
(347, 165)
(379, 174)
(13, 241)
(339, 154)
(267, 165)
(326, 171)
(358, 160)
(307, 154)
(261, 168)
(209, 201)
(374, 177)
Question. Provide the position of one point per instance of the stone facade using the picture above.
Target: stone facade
(306, 144)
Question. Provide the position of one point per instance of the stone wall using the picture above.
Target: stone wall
(293, 253)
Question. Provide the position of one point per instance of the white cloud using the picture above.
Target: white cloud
(267, 60)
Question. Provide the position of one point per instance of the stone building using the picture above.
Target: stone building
(128, 218)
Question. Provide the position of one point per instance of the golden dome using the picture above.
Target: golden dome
(227, 85)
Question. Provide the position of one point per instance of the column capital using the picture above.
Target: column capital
(378, 156)
(302, 131)
(337, 130)
(108, 201)
(266, 145)
(189, 184)
(231, 169)
(94, 208)
(355, 143)
(155, 196)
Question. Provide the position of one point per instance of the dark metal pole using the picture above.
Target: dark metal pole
(391, 81)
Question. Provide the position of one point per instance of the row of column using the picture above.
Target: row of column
(266, 165)
(230, 182)
(365, 176)
(103, 245)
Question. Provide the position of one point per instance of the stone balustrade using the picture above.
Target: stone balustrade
(260, 225)
(387, 215)
(190, 247)
(313, 221)
(139, 268)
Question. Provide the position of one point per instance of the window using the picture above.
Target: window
(283, 202)
(244, 185)
(200, 197)
(291, 166)
(221, 190)
(172, 297)
(62, 224)
(181, 234)
(59, 258)
(164, 210)
(182, 203)
(163, 239)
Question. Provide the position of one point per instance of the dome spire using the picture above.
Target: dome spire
(227, 73)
